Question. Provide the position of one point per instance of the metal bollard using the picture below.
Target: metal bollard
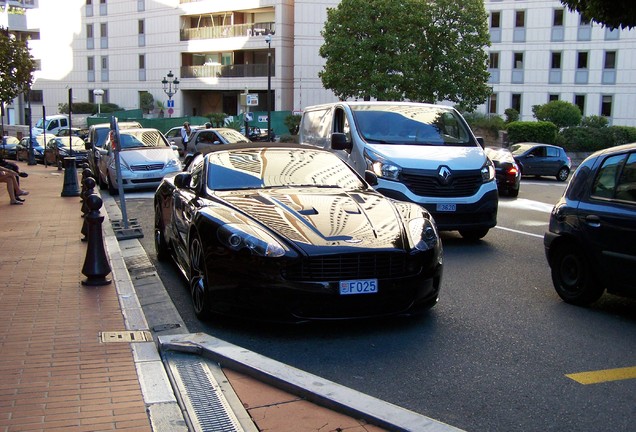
(86, 172)
(71, 186)
(96, 266)
(88, 186)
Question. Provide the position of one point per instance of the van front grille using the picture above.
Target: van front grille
(462, 184)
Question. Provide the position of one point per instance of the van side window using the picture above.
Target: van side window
(316, 127)
(63, 122)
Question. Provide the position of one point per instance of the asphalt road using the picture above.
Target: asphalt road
(491, 356)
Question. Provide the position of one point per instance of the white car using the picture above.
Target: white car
(145, 158)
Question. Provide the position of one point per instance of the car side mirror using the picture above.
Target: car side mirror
(339, 141)
(182, 180)
(481, 141)
(371, 178)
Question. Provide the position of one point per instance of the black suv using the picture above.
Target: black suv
(591, 242)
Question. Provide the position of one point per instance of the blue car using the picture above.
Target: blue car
(591, 242)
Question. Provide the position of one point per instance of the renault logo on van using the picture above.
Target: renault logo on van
(444, 175)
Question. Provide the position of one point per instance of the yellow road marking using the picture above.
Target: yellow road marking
(595, 377)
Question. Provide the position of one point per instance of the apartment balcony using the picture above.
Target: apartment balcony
(226, 71)
(228, 31)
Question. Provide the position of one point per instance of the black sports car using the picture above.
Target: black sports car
(289, 233)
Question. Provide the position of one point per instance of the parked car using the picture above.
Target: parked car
(542, 160)
(97, 136)
(9, 147)
(59, 147)
(174, 136)
(283, 232)
(79, 132)
(591, 242)
(145, 158)
(22, 149)
(202, 138)
(506, 171)
(52, 124)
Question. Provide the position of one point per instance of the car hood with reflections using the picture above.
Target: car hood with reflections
(431, 156)
(147, 156)
(313, 218)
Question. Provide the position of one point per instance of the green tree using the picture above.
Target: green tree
(16, 67)
(147, 101)
(426, 51)
(292, 121)
(612, 13)
(561, 113)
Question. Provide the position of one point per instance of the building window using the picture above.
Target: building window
(581, 60)
(89, 31)
(141, 33)
(493, 67)
(90, 35)
(517, 60)
(579, 101)
(584, 32)
(581, 73)
(612, 34)
(492, 104)
(90, 67)
(495, 26)
(140, 27)
(519, 33)
(557, 18)
(553, 97)
(606, 106)
(558, 31)
(141, 5)
(610, 60)
(142, 67)
(103, 33)
(517, 68)
(609, 68)
(515, 102)
(89, 8)
(36, 96)
(104, 61)
(555, 68)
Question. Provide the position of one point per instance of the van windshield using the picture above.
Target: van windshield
(411, 125)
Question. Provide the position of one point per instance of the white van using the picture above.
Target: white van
(52, 124)
(421, 153)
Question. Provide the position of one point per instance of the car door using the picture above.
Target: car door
(184, 208)
(552, 161)
(608, 218)
(533, 161)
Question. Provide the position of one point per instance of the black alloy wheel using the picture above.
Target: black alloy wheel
(572, 276)
(198, 279)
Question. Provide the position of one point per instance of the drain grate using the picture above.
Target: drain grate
(203, 397)
(125, 336)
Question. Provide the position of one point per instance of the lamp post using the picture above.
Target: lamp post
(99, 93)
(170, 87)
(268, 40)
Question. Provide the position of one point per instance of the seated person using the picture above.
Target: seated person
(9, 177)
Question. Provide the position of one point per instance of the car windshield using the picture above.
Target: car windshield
(232, 136)
(78, 143)
(411, 125)
(142, 139)
(278, 167)
(517, 149)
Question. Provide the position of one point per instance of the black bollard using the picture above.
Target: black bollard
(96, 266)
(88, 184)
(71, 186)
(85, 173)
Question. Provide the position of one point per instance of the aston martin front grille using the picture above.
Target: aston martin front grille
(351, 266)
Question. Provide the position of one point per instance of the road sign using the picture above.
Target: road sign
(249, 116)
(252, 99)
(170, 111)
(170, 103)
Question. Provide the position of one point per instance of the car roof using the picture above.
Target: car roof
(256, 145)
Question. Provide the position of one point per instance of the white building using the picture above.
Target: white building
(217, 49)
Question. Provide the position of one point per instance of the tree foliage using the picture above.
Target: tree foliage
(561, 113)
(16, 67)
(612, 13)
(420, 50)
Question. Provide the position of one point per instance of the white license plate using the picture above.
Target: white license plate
(358, 286)
(446, 207)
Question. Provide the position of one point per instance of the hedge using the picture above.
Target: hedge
(590, 139)
(539, 131)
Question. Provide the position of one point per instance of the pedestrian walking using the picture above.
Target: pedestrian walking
(185, 136)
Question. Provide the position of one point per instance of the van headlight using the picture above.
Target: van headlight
(383, 168)
(488, 171)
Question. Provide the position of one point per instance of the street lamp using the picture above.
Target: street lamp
(99, 93)
(268, 40)
(170, 87)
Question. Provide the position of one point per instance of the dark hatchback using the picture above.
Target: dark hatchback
(591, 242)
(507, 172)
(542, 160)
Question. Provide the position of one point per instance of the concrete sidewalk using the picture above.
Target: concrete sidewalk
(85, 358)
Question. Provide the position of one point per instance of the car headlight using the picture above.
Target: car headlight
(423, 233)
(239, 237)
(172, 163)
(488, 171)
(383, 168)
(112, 165)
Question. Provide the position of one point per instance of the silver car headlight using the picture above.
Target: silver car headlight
(383, 168)
(423, 233)
(488, 171)
(174, 163)
(112, 165)
(239, 237)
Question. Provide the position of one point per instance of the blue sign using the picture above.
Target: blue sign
(170, 103)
